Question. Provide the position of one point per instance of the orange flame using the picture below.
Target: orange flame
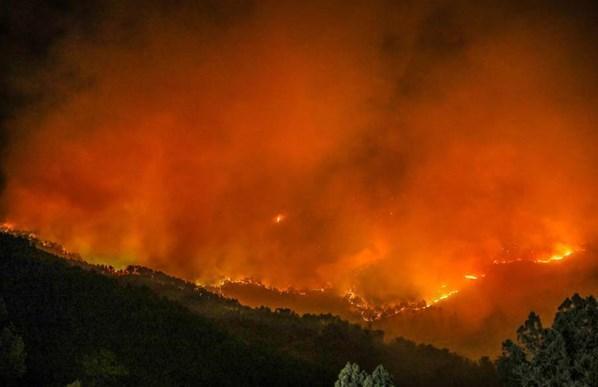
(564, 252)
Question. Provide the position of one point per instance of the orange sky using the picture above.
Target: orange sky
(382, 146)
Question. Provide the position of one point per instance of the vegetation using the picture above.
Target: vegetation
(80, 326)
(565, 354)
(351, 376)
(324, 339)
(87, 325)
(12, 350)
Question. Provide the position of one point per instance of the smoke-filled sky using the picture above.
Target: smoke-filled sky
(384, 146)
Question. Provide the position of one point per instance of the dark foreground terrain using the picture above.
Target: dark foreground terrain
(87, 323)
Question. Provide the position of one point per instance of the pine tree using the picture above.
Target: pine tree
(352, 376)
(564, 355)
(12, 349)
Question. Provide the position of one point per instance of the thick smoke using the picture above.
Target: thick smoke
(385, 146)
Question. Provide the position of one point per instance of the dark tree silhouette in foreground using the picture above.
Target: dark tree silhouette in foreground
(12, 350)
(352, 376)
(565, 354)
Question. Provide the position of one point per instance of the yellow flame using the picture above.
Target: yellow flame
(442, 297)
(564, 252)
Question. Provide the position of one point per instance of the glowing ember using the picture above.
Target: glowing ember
(279, 218)
(470, 276)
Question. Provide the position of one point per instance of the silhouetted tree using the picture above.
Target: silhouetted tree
(102, 369)
(564, 355)
(352, 376)
(12, 349)
(380, 378)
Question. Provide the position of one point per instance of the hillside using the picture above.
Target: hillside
(159, 330)
(478, 319)
(66, 314)
(473, 322)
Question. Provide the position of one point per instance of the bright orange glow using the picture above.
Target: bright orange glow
(561, 252)
(7, 226)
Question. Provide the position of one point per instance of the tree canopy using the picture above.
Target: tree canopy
(12, 349)
(352, 376)
(565, 354)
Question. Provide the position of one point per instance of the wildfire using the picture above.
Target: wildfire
(562, 251)
(566, 252)
(42, 244)
(7, 226)
(372, 312)
(368, 311)
(442, 297)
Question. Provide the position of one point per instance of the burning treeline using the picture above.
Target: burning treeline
(388, 148)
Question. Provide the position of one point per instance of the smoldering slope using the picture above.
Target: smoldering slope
(384, 147)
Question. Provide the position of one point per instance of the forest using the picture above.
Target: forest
(65, 322)
(79, 323)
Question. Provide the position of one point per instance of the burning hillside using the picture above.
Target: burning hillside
(472, 319)
(371, 311)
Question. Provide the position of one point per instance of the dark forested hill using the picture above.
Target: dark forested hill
(141, 327)
(74, 321)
